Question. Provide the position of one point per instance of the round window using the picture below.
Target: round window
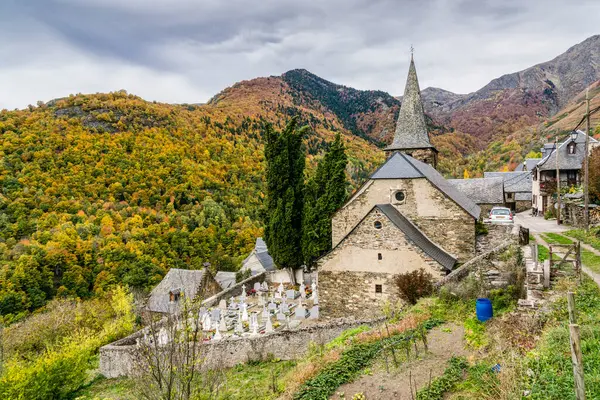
(399, 196)
(377, 224)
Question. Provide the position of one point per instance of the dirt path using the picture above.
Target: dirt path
(444, 342)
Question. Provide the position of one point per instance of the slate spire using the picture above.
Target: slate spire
(411, 129)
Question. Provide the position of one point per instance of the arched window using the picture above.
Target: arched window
(571, 148)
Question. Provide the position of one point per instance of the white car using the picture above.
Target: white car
(501, 215)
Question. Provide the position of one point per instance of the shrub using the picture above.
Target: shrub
(242, 275)
(414, 285)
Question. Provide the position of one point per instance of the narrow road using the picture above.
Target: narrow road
(538, 224)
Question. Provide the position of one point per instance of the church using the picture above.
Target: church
(406, 216)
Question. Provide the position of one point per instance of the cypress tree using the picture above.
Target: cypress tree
(325, 194)
(285, 159)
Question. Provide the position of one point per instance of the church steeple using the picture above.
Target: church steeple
(411, 130)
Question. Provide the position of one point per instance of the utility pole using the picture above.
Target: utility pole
(586, 198)
(557, 184)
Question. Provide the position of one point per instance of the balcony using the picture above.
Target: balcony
(548, 186)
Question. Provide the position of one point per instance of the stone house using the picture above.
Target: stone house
(485, 192)
(570, 154)
(517, 188)
(178, 284)
(405, 217)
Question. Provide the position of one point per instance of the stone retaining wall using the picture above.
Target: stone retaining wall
(573, 214)
(486, 265)
(119, 358)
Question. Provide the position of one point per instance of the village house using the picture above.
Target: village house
(405, 217)
(568, 159)
(485, 192)
(178, 284)
(517, 188)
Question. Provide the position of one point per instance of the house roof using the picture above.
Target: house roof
(417, 236)
(515, 181)
(186, 281)
(481, 190)
(565, 160)
(528, 165)
(403, 166)
(411, 129)
(225, 279)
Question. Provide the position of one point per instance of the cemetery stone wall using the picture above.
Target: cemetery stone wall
(119, 358)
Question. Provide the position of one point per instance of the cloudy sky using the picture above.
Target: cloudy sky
(188, 50)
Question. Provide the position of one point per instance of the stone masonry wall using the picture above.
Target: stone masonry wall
(522, 205)
(456, 236)
(349, 273)
(428, 156)
(353, 293)
(119, 358)
(574, 215)
(439, 217)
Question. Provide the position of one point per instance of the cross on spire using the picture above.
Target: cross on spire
(412, 51)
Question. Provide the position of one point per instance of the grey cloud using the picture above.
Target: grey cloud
(193, 48)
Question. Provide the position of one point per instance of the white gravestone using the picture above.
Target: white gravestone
(257, 286)
(268, 326)
(290, 294)
(302, 291)
(284, 308)
(244, 312)
(239, 328)
(222, 324)
(217, 335)
(223, 304)
(314, 312)
(300, 310)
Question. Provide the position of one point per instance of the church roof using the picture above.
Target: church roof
(262, 254)
(417, 237)
(481, 190)
(411, 129)
(403, 166)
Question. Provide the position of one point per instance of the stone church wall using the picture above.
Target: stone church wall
(440, 218)
(348, 275)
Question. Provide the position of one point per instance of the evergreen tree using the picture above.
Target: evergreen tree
(325, 194)
(285, 159)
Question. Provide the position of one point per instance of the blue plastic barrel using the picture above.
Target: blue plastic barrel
(483, 309)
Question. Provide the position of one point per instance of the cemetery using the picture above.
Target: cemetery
(263, 320)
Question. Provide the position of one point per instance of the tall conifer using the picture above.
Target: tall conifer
(285, 159)
(325, 193)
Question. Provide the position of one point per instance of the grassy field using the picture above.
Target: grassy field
(555, 238)
(243, 382)
(592, 238)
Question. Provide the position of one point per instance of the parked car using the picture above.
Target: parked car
(501, 215)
